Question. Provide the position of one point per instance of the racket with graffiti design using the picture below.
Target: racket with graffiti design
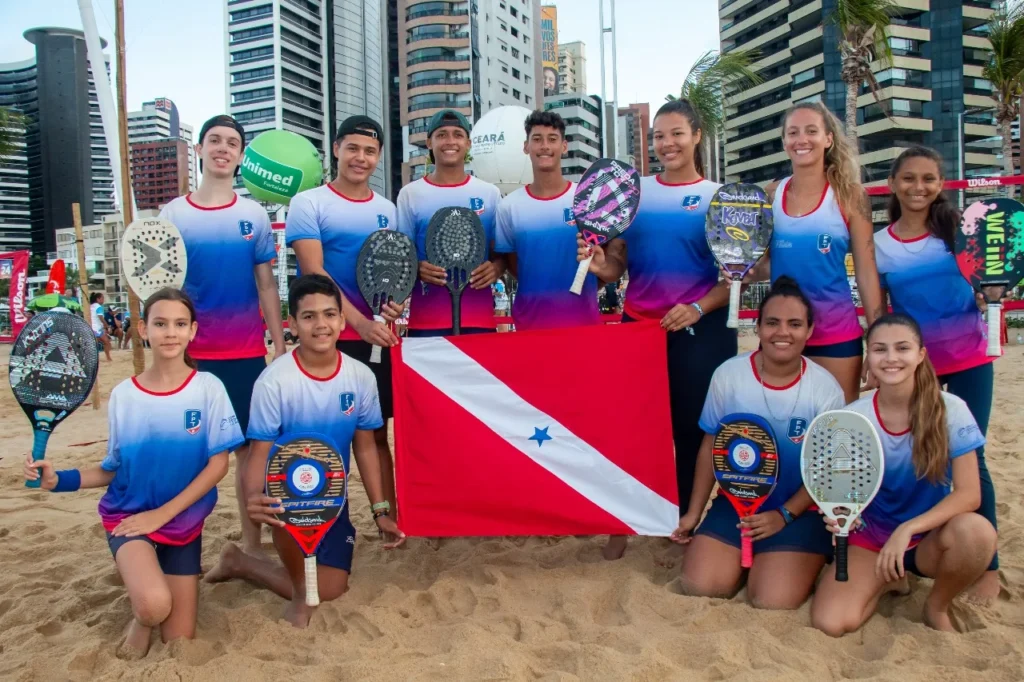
(989, 249)
(606, 201)
(745, 458)
(385, 272)
(738, 229)
(307, 473)
(456, 241)
(153, 256)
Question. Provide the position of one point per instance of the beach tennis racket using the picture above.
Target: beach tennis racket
(307, 473)
(153, 256)
(456, 241)
(52, 369)
(746, 463)
(738, 228)
(605, 203)
(385, 272)
(842, 466)
(989, 249)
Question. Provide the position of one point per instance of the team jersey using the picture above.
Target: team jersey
(287, 399)
(341, 225)
(736, 387)
(158, 444)
(904, 495)
(542, 234)
(812, 250)
(224, 245)
(96, 315)
(669, 261)
(431, 306)
(924, 282)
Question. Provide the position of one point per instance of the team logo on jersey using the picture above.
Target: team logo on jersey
(568, 217)
(348, 403)
(797, 429)
(824, 243)
(477, 204)
(245, 228)
(691, 202)
(382, 221)
(193, 420)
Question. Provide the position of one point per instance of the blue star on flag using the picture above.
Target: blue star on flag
(540, 435)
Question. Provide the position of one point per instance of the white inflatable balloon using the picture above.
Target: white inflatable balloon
(497, 151)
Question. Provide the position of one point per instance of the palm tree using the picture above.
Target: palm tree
(706, 85)
(1005, 71)
(862, 26)
(10, 122)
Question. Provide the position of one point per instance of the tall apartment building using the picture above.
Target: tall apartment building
(159, 171)
(572, 68)
(582, 114)
(634, 124)
(158, 120)
(18, 92)
(939, 48)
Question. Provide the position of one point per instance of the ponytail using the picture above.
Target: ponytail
(943, 216)
(685, 109)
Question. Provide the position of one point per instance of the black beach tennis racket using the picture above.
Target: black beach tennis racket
(53, 367)
(605, 203)
(456, 241)
(307, 473)
(385, 272)
(153, 256)
(842, 466)
(989, 248)
(746, 463)
(738, 228)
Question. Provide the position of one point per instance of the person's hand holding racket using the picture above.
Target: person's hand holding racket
(682, 534)
(376, 333)
(392, 311)
(390, 532)
(889, 565)
(681, 316)
(42, 471)
(761, 526)
(484, 275)
(432, 274)
(264, 509)
(593, 251)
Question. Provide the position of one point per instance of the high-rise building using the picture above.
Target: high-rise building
(582, 114)
(510, 48)
(157, 121)
(938, 47)
(61, 153)
(159, 171)
(634, 122)
(572, 68)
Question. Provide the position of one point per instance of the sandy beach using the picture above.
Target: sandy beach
(474, 609)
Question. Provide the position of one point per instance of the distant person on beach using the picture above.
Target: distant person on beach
(99, 327)
(229, 244)
(171, 429)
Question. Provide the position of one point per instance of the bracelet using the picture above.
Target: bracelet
(700, 311)
(68, 481)
(382, 512)
(377, 506)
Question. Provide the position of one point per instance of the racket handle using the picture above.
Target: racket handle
(581, 276)
(375, 353)
(841, 545)
(995, 329)
(312, 589)
(734, 304)
(39, 439)
(746, 550)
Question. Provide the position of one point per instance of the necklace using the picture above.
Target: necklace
(764, 392)
(903, 242)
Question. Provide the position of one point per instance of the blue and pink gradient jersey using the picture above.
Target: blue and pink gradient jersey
(159, 443)
(924, 282)
(224, 245)
(287, 399)
(812, 250)
(668, 257)
(736, 387)
(341, 225)
(904, 495)
(542, 234)
(430, 306)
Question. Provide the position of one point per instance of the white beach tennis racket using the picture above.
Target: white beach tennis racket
(153, 256)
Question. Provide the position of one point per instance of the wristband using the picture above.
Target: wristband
(377, 506)
(378, 514)
(787, 516)
(700, 311)
(68, 481)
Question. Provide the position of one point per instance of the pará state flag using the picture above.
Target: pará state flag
(559, 432)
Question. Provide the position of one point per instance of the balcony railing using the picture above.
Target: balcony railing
(423, 82)
(438, 58)
(442, 104)
(440, 35)
(419, 14)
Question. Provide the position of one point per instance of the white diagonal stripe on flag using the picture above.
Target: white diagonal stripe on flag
(565, 455)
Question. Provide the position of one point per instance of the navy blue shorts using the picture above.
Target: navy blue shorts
(238, 377)
(806, 534)
(430, 333)
(173, 559)
(360, 350)
(339, 544)
(854, 348)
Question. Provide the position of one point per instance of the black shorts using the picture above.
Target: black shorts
(173, 559)
(854, 348)
(807, 533)
(238, 377)
(360, 350)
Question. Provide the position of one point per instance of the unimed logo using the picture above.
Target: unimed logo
(269, 174)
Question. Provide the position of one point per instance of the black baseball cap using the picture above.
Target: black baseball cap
(361, 125)
(225, 121)
(448, 117)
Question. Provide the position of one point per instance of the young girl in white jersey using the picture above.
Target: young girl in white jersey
(923, 518)
(171, 429)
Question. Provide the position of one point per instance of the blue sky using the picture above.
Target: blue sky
(180, 53)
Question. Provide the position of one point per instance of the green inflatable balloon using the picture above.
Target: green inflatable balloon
(278, 164)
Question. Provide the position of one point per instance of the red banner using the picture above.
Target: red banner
(14, 267)
(969, 183)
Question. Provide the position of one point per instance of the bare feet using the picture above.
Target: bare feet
(297, 613)
(136, 642)
(985, 589)
(226, 565)
(937, 618)
(615, 548)
(254, 550)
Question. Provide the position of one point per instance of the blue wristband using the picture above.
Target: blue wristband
(68, 481)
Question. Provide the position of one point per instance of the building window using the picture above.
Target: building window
(251, 34)
(504, 69)
(516, 94)
(515, 32)
(527, 99)
(526, 79)
(515, 52)
(503, 26)
(526, 60)
(504, 89)
(504, 47)
(515, 73)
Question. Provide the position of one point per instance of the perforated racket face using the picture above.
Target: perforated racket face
(738, 226)
(153, 256)
(456, 241)
(842, 464)
(989, 244)
(53, 366)
(745, 459)
(606, 200)
(386, 268)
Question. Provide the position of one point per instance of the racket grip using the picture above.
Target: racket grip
(375, 353)
(581, 275)
(842, 542)
(746, 550)
(312, 589)
(995, 329)
(39, 439)
(734, 304)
